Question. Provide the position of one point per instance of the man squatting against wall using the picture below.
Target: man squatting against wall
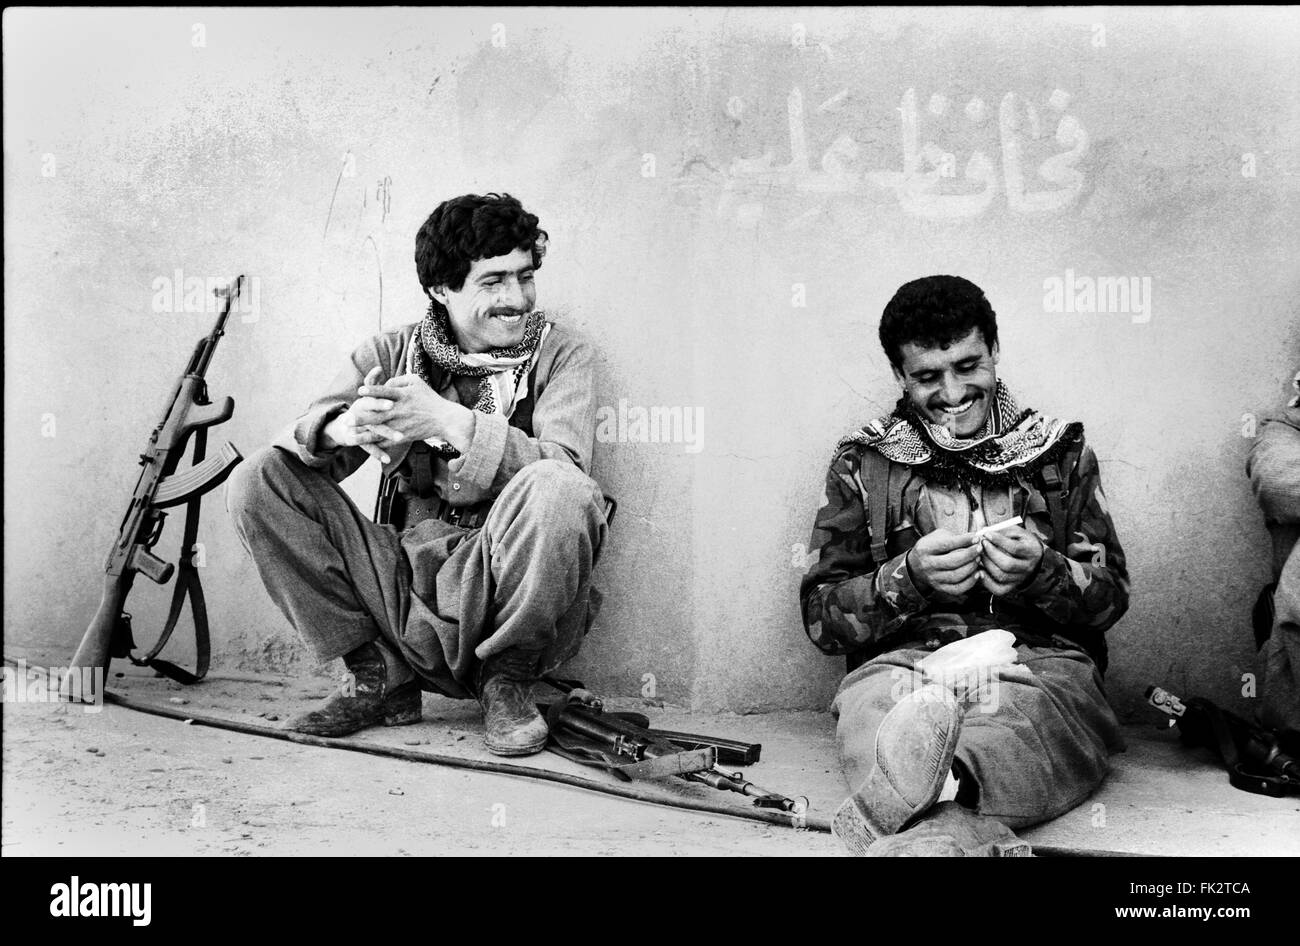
(902, 569)
(484, 413)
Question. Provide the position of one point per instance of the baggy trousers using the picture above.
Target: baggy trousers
(446, 597)
(1035, 736)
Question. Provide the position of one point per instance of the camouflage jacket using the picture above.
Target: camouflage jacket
(857, 606)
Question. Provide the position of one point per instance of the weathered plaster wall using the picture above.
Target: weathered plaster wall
(729, 213)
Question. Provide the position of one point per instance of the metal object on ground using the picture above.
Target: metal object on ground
(625, 745)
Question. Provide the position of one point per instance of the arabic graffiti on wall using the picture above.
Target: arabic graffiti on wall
(1038, 149)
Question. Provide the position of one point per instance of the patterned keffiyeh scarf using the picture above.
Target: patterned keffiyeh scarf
(502, 372)
(1012, 443)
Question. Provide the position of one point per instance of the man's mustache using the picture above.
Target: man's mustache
(938, 405)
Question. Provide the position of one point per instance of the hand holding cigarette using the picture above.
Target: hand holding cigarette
(945, 561)
(1009, 555)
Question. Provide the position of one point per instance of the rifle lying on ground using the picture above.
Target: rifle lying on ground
(1251, 753)
(188, 411)
(625, 745)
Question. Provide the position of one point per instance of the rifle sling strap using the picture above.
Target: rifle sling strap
(187, 585)
(1055, 495)
(879, 473)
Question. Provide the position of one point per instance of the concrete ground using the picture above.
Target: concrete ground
(120, 782)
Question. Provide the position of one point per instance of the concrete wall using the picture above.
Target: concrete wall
(729, 213)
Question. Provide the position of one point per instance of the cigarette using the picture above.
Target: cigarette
(1005, 524)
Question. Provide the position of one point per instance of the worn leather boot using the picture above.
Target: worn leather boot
(366, 700)
(513, 726)
(949, 830)
(914, 751)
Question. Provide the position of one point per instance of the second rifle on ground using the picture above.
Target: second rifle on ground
(625, 745)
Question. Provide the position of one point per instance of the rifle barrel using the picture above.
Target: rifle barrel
(209, 345)
(735, 782)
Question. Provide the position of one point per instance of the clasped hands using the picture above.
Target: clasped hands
(953, 563)
(403, 410)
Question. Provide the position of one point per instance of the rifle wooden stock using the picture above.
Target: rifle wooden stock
(97, 646)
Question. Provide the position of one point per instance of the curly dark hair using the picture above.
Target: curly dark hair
(469, 228)
(933, 312)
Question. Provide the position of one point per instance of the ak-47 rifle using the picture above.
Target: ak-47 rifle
(188, 411)
(1252, 755)
(623, 744)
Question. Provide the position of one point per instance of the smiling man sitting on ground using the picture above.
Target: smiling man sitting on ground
(483, 417)
(902, 569)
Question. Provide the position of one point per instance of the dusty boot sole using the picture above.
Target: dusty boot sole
(852, 830)
(515, 750)
(947, 846)
(886, 804)
(944, 733)
(508, 749)
(949, 830)
(1016, 848)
